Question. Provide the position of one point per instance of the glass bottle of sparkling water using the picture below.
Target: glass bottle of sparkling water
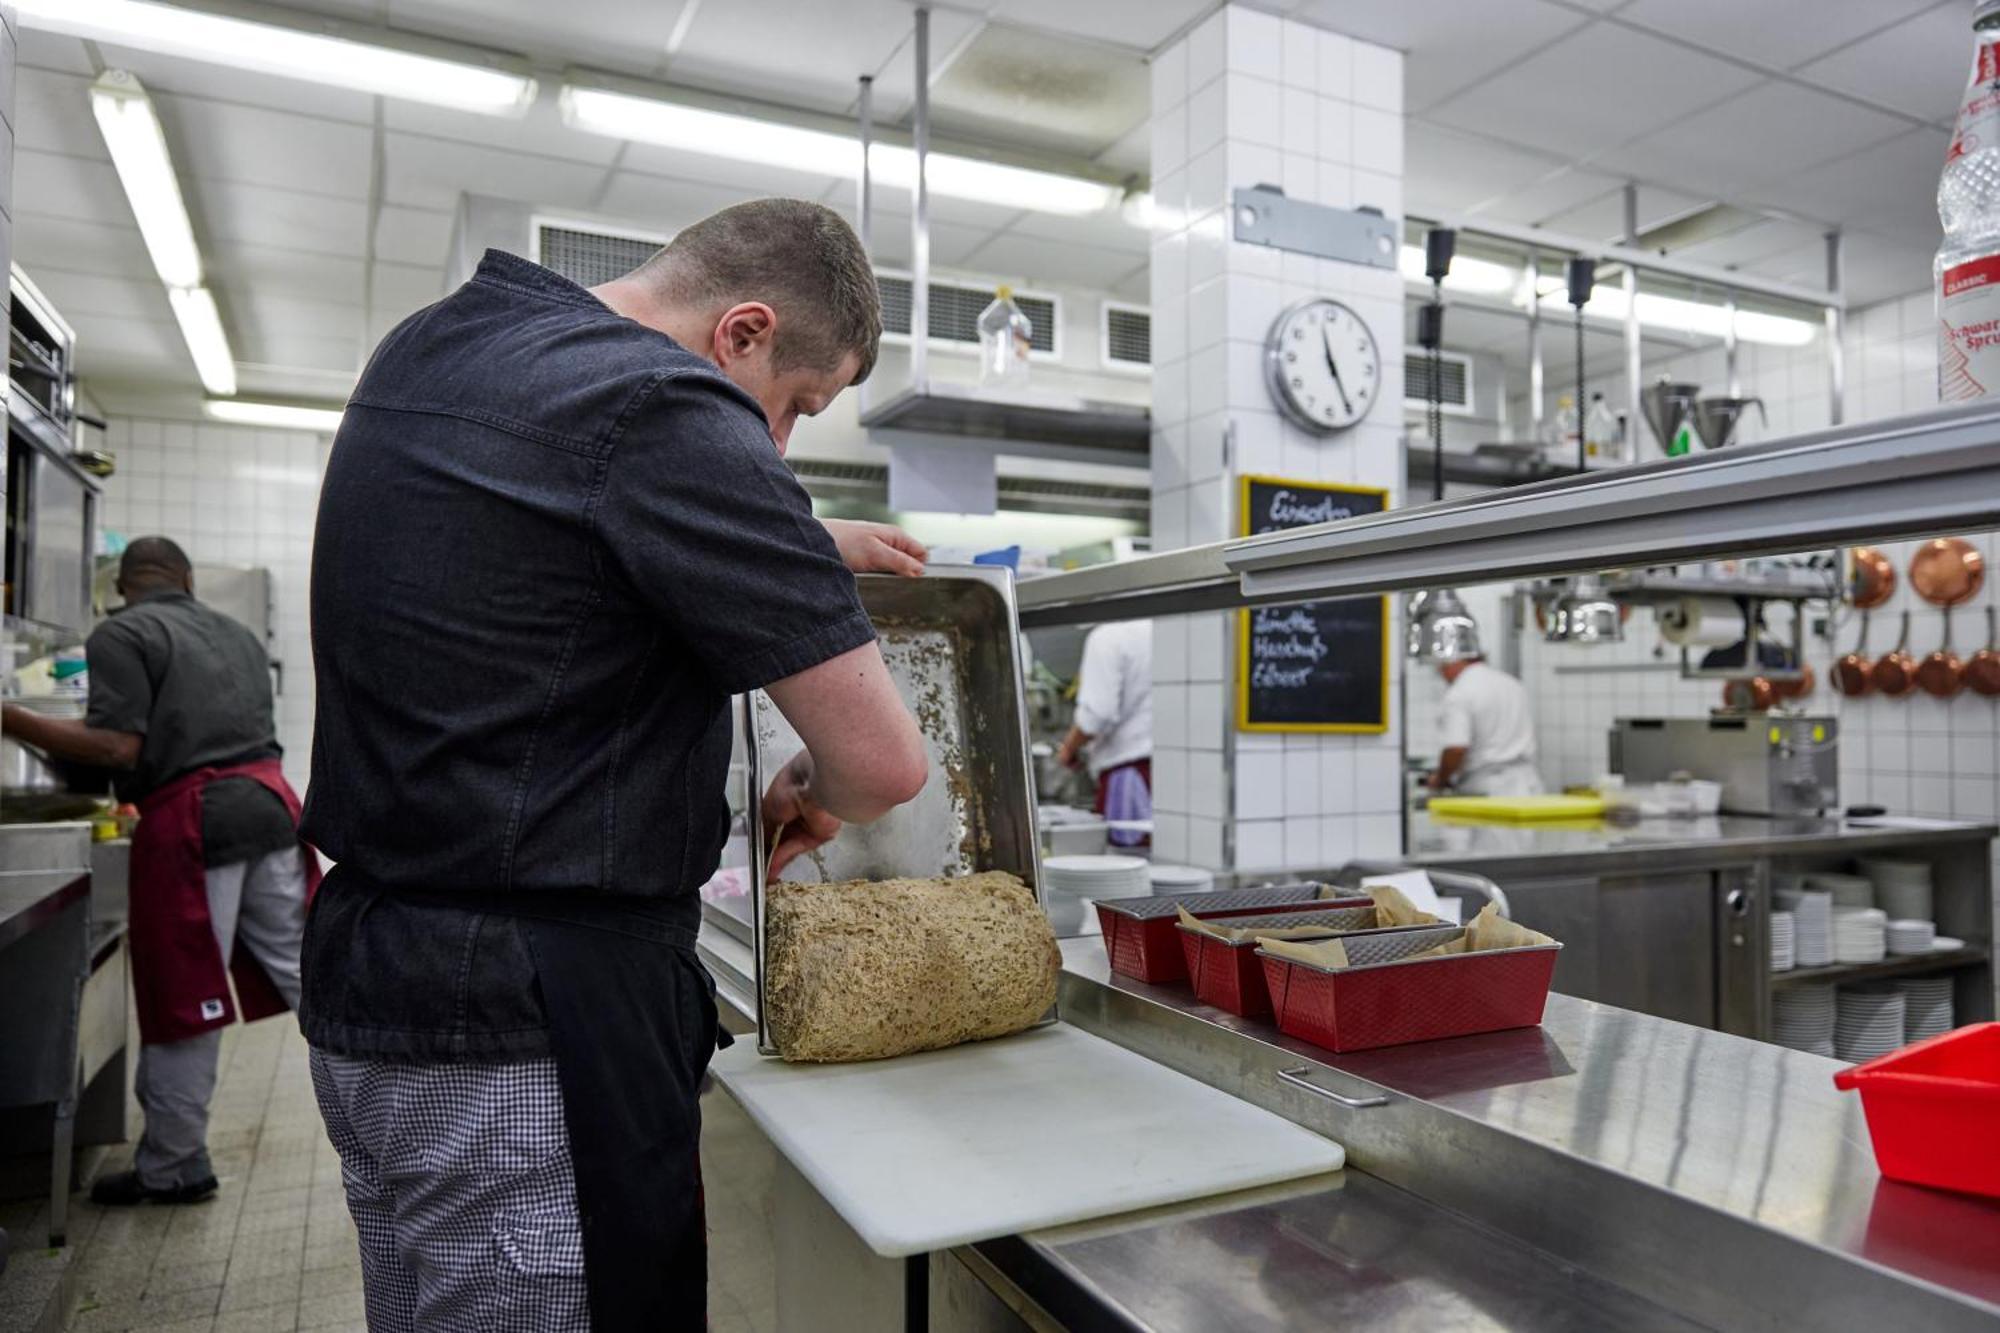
(1968, 263)
(1005, 335)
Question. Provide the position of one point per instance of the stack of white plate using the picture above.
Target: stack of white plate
(1847, 890)
(1902, 888)
(1911, 935)
(1860, 935)
(1868, 1022)
(1802, 1018)
(1784, 940)
(1926, 1007)
(1812, 914)
(1071, 883)
(1171, 880)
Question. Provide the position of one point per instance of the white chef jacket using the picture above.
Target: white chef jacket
(1114, 694)
(1486, 712)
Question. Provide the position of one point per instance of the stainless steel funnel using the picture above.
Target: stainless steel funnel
(1716, 418)
(1667, 404)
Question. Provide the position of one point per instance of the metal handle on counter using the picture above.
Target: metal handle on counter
(1297, 1078)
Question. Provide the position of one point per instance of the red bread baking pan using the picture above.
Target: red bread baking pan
(1229, 975)
(1932, 1107)
(1140, 937)
(1392, 999)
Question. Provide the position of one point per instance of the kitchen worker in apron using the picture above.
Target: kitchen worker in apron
(180, 711)
(1113, 728)
(556, 534)
(1488, 734)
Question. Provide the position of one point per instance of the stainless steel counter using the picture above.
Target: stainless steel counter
(1721, 1179)
(35, 898)
(1646, 845)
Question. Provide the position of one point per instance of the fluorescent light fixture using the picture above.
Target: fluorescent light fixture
(1608, 302)
(1477, 277)
(139, 152)
(269, 48)
(768, 143)
(281, 416)
(201, 327)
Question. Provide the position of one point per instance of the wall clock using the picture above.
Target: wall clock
(1322, 365)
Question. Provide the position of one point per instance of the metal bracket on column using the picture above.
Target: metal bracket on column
(1264, 216)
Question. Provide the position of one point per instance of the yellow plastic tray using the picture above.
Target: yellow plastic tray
(1518, 809)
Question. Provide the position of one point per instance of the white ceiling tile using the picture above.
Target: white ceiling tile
(46, 50)
(229, 214)
(664, 205)
(1537, 203)
(399, 289)
(540, 130)
(1021, 86)
(622, 35)
(122, 347)
(413, 235)
(80, 295)
(1594, 90)
(721, 171)
(292, 275)
(1133, 153)
(222, 83)
(52, 111)
(1107, 231)
(1778, 33)
(1031, 261)
(1774, 129)
(54, 185)
(293, 343)
(1447, 169)
(432, 173)
(1449, 43)
(1603, 216)
(107, 247)
(257, 146)
(1760, 240)
(1917, 67)
(1892, 184)
(1143, 24)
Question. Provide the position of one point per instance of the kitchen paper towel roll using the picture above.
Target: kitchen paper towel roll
(1701, 622)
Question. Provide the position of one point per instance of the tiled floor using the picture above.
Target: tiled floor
(275, 1251)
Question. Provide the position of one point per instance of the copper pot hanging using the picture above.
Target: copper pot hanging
(1874, 578)
(1850, 672)
(1941, 674)
(1798, 687)
(1947, 571)
(1895, 672)
(1982, 673)
(1749, 694)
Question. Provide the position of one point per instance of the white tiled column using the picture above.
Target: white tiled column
(1246, 99)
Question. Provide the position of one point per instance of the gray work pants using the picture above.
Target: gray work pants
(261, 906)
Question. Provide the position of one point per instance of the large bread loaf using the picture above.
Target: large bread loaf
(866, 969)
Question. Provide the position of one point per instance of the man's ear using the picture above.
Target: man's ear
(742, 329)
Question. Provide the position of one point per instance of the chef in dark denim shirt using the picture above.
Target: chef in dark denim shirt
(556, 535)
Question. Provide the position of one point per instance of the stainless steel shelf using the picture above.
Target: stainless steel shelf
(959, 410)
(1909, 476)
(1645, 587)
(1904, 965)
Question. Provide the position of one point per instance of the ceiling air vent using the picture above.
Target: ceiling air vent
(1127, 333)
(955, 308)
(588, 254)
(1454, 378)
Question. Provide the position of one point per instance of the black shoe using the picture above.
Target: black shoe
(124, 1188)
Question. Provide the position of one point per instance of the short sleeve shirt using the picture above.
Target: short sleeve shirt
(552, 543)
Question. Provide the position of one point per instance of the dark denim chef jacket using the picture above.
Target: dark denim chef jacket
(551, 544)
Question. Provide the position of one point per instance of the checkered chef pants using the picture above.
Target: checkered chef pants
(460, 1182)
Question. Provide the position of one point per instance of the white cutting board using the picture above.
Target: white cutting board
(998, 1137)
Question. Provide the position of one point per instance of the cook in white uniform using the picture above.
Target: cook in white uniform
(1114, 722)
(1489, 736)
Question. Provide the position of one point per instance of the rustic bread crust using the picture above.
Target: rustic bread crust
(865, 970)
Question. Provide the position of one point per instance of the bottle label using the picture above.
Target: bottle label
(1969, 330)
(1979, 115)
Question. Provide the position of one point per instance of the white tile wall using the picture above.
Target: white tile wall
(1249, 98)
(232, 495)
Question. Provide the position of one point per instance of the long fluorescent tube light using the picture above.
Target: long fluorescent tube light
(1480, 277)
(280, 416)
(139, 152)
(270, 48)
(768, 143)
(201, 328)
(1608, 302)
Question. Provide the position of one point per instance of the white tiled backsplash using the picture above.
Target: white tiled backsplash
(238, 496)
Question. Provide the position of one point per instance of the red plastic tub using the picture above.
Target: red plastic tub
(1228, 975)
(1391, 999)
(1932, 1110)
(1140, 937)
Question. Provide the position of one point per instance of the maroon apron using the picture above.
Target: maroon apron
(180, 980)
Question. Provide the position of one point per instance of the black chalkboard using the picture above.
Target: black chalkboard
(1311, 666)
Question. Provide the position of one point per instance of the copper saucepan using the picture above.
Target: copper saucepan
(1800, 687)
(1982, 673)
(1850, 673)
(1749, 694)
(1873, 580)
(1947, 571)
(1895, 672)
(1941, 674)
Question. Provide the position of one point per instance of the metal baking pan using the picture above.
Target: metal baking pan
(952, 642)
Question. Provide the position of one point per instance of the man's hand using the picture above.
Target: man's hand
(877, 548)
(1436, 781)
(792, 816)
(1070, 753)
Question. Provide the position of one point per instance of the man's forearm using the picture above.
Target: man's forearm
(75, 741)
(1449, 763)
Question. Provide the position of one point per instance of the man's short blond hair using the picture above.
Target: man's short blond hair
(799, 258)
